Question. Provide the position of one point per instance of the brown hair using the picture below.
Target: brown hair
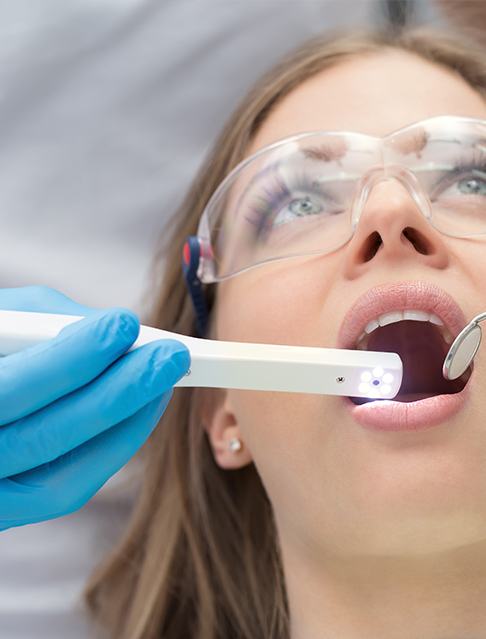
(200, 558)
(467, 15)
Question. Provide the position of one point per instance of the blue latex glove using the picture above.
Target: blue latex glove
(74, 409)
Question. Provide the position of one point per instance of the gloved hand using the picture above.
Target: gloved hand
(74, 409)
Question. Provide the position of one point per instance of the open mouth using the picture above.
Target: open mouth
(422, 349)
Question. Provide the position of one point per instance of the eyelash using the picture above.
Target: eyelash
(472, 163)
(262, 206)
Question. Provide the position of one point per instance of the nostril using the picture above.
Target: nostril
(371, 247)
(416, 238)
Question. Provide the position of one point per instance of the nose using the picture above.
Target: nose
(392, 227)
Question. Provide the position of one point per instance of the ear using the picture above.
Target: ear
(221, 425)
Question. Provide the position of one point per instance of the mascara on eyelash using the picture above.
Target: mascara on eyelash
(264, 205)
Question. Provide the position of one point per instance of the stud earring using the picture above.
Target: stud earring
(234, 444)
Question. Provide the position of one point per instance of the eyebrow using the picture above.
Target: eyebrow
(408, 142)
(326, 152)
(323, 152)
(415, 140)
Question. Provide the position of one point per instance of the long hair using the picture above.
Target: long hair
(200, 558)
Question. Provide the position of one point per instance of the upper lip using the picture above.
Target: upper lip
(399, 296)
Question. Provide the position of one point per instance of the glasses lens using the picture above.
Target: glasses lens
(459, 201)
(292, 199)
(449, 160)
(296, 197)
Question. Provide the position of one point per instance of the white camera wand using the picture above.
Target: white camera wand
(242, 365)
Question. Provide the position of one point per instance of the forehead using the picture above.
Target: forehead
(374, 94)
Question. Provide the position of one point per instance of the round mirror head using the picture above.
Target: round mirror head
(462, 351)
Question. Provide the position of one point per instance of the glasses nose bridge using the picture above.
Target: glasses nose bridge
(377, 175)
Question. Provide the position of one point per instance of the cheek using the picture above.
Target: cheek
(278, 304)
(286, 434)
(289, 435)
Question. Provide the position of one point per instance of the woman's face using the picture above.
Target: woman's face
(334, 486)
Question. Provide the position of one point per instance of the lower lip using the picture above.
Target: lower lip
(405, 416)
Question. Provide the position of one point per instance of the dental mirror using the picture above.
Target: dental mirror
(463, 349)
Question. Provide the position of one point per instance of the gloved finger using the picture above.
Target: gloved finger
(66, 484)
(36, 376)
(41, 299)
(125, 387)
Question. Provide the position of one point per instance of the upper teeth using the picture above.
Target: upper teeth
(398, 316)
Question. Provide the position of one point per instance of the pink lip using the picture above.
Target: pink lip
(390, 415)
(399, 416)
(398, 297)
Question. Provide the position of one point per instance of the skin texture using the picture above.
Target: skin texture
(371, 525)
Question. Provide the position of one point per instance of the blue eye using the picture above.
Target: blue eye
(298, 207)
(303, 206)
(472, 186)
(468, 177)
(277, 204)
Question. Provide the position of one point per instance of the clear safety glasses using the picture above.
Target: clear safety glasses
(304, 195)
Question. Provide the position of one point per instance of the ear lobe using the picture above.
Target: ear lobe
(221, 425)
